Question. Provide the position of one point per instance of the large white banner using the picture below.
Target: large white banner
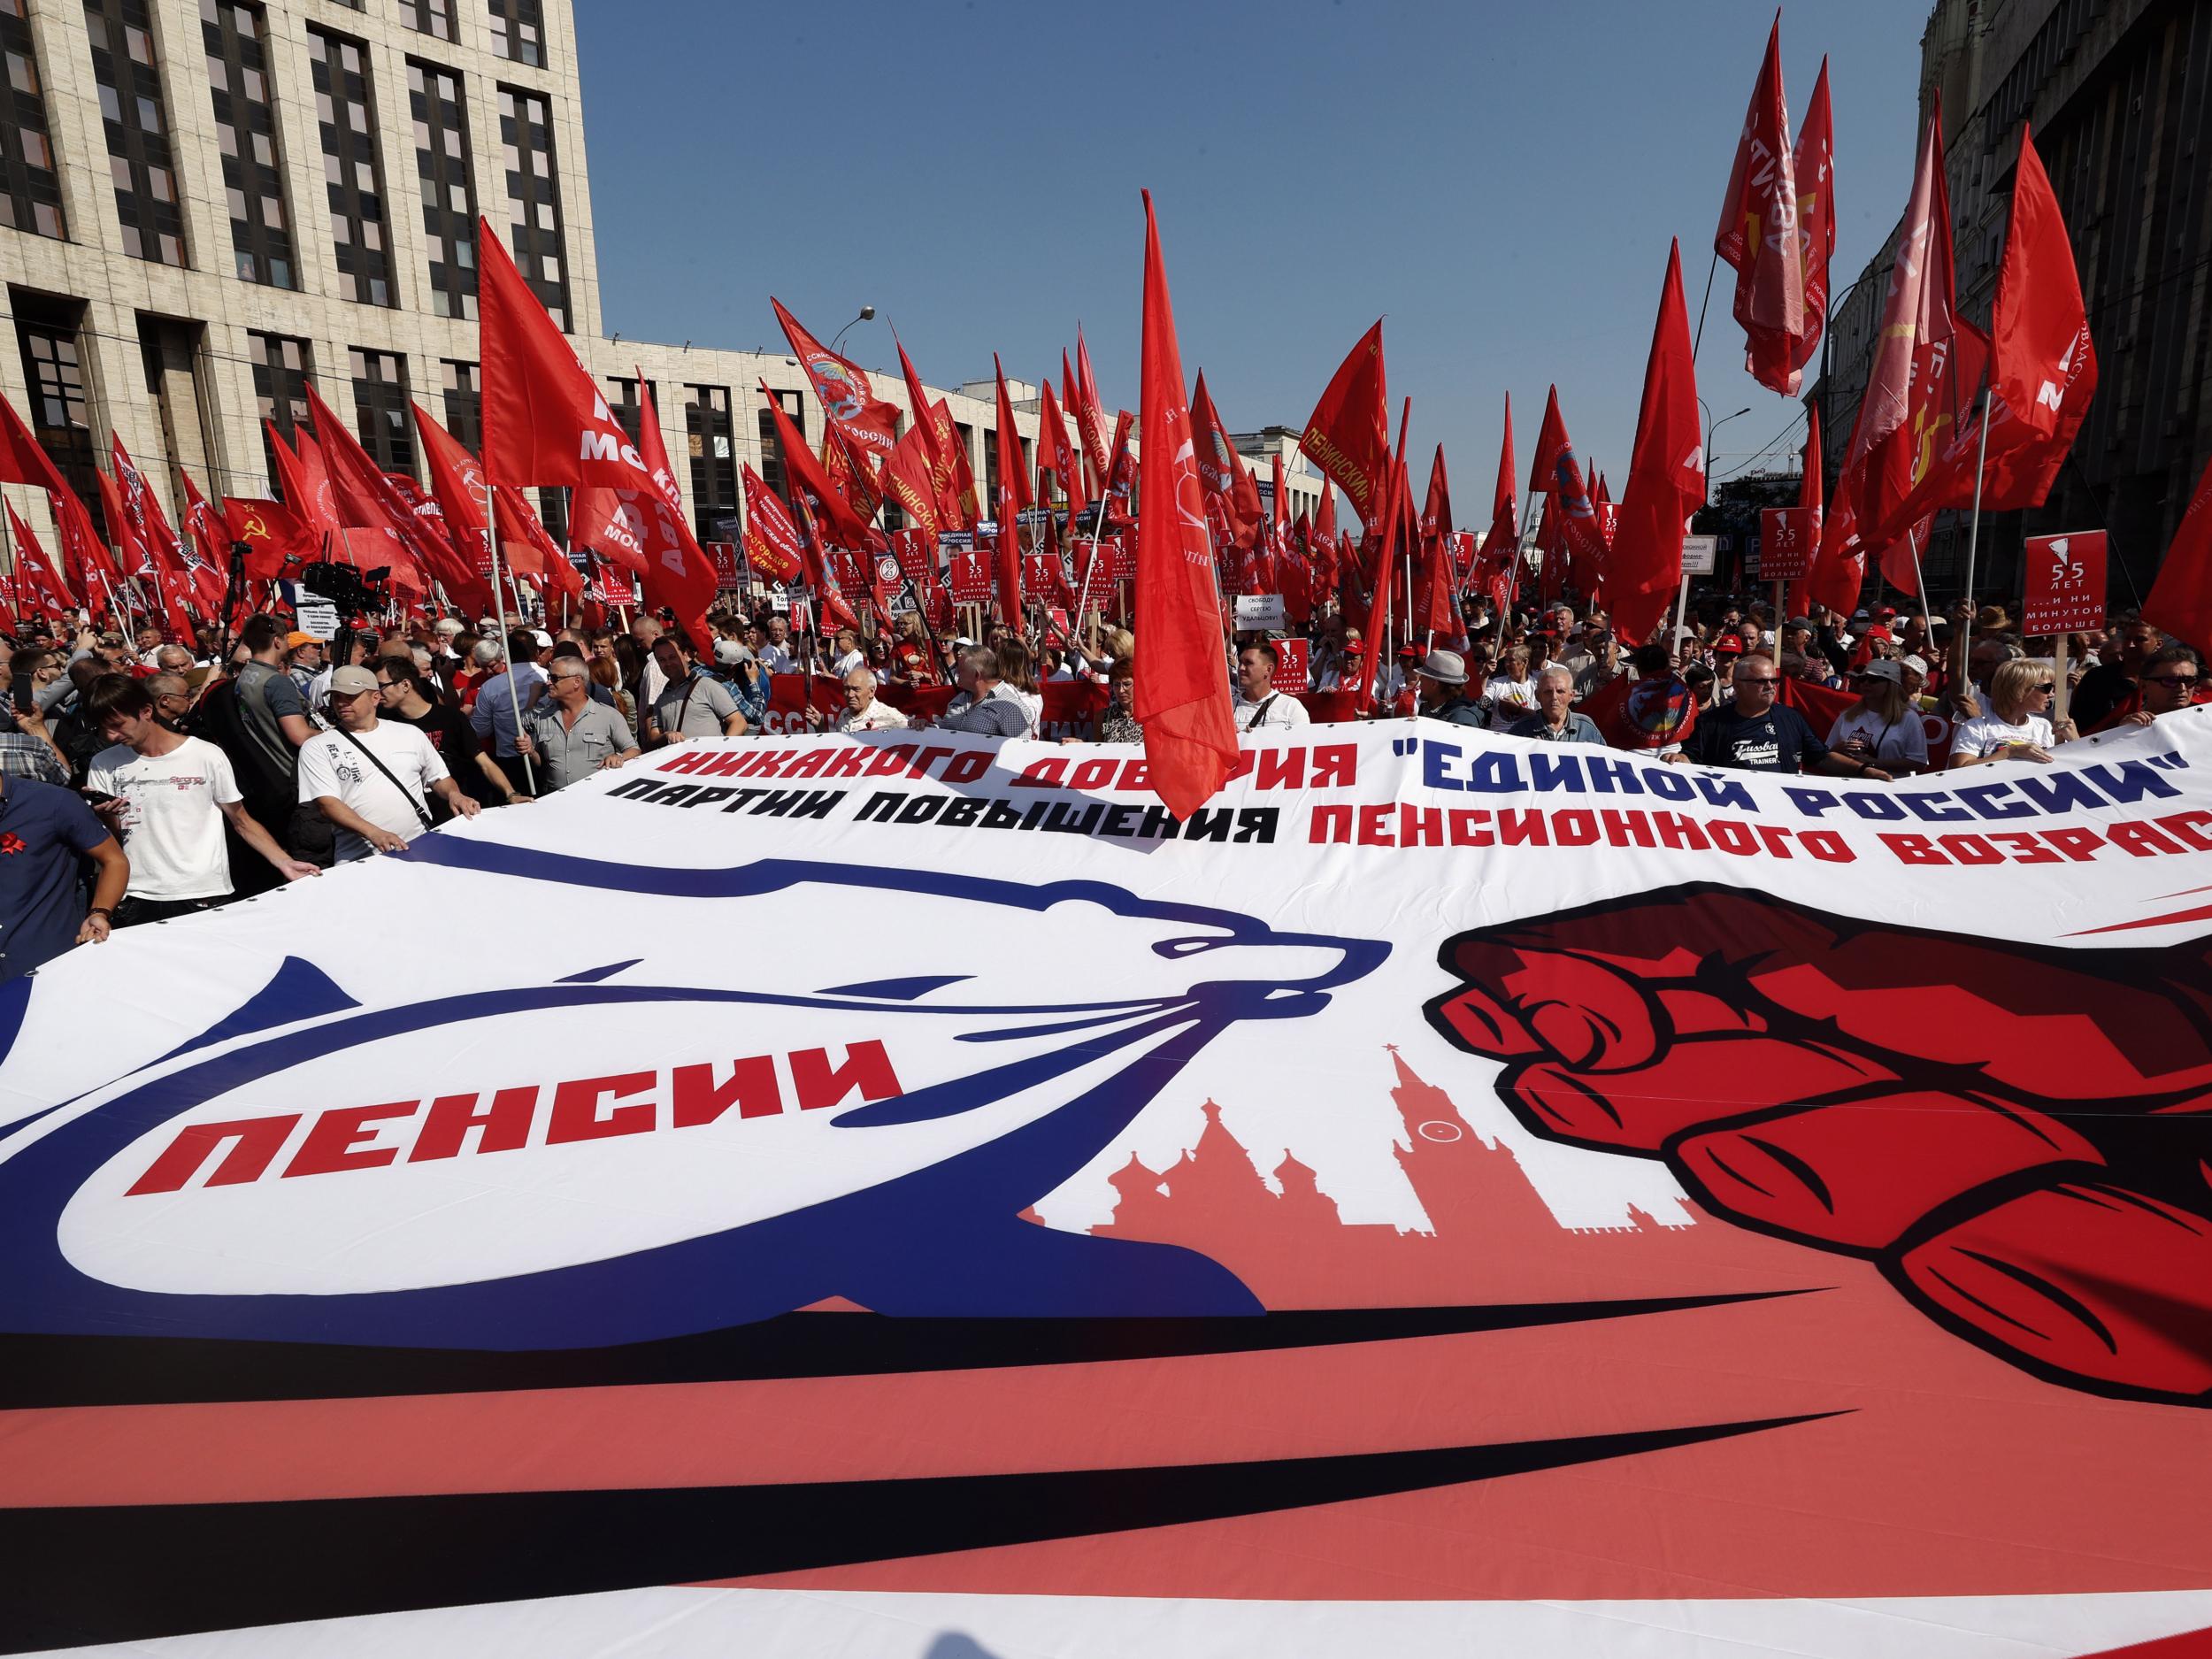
(1454, 1191)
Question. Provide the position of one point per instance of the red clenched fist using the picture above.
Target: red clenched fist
(2020, 1135)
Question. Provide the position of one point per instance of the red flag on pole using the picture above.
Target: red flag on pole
(1758, 234)
(456, 483)
(22, 459)
(38, 584)
(772, 546)
(1505, 510)
(1228, 482)
(1182, 684)
(1013, 497)
(2180, 600)
(907, 479)
(1808, 497)
(544, 419)
(847, 395)
(1055, 452)
(1348, 435)
(1813, 162)
(2042, 364)
(963, 502)
(804, 475)
(678, 576)
(1927, 365)
(1090, 414)
(1570, 519)
(1666, 473)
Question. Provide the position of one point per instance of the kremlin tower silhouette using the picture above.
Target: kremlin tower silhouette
(1494, 1238)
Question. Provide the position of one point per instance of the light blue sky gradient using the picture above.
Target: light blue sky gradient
(1498, 181)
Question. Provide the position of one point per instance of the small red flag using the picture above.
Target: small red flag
(38, 584)
(1758, 234)
(1927, 365)
(1013, 497)
(1813, 162)
(847, 395)
(544, 419)
(22, 459)
(2180, 600)
(1182, 683)
(2042, 364)
(907, 478)
(1090, 414)
(1666, 473)
(1055, 452)
(1348, 435)
(772, 546)
(1228, 482)
(803, 475)
(1505, 510)
(456, 484)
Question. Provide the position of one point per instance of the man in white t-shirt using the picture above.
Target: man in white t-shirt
(169, 796)
(370, 775)
(1258, 704)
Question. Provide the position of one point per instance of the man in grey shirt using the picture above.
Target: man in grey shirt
(567, 735)
(692, 703)
(1556, 721)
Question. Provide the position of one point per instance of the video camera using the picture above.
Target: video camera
(354, 591)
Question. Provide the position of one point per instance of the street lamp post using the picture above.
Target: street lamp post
(867, 314)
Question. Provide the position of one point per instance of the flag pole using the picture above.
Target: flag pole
(499, 599)
(1973, 535)
(1699, 339)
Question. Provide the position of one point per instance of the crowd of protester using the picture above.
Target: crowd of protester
(144, 778)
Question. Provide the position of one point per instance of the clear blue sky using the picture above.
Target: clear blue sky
(1498, 181)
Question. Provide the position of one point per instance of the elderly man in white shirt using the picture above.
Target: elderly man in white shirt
(862, 711)
(1258, 704)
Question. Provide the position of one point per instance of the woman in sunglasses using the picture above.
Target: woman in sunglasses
(2019, 726)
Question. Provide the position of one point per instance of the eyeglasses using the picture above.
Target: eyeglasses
(1763, 679)
(2169, 680)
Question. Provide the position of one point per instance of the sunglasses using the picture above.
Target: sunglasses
(1763, 679)
(2170, 680)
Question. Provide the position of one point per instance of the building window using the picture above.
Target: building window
(553, 513)
(464, 402)
(518, 30)
(245, 121)
(533, 198)
(379, 408)
(54, 374)
(622, 399)
(351, 167)
(449, 197)
(282, 368)
(772, 472)
(433, 17)
(712, 438)
(137, 125)
(30, 188)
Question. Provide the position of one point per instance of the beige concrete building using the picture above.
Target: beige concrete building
(206, 203)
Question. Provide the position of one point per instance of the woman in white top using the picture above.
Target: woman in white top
(1882, 729)
(1017, 680)
(1511, 694)
(2018, 726)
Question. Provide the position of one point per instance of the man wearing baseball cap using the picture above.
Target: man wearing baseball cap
(372, 777)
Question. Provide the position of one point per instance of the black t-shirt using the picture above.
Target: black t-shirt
(456, 741)
(2103, 689)
(1778, 740)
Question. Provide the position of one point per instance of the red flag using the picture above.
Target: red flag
(1382, 577)
(1666, 473)
(143, 508)
(1090, 414)
(1758, 234)
(918, 402)
(847, 395)
(205, 548)
(907, 479)
(1927, 363)
(456, 483)
(274, 536)
(963, 502)
(1551, 443)
(678, 576)
(1055, 453)
(2180, 600)
(1436, 512)
(368, 500)
(1347, 434)
(1182, 690)
(1324, 524)
(137, 559)
(140, 561)
(1118, 489)
(1808, 497)
(1813, 162)
(39, 585)
(319, 501)
(2042, 366)
(1013, 497)
(544, 419)
(772, 546)
(804, 476)
(1505, 510)
(1228, 484)
(22, 459)
(529, 547)
(852, 473)
(1570, 519)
